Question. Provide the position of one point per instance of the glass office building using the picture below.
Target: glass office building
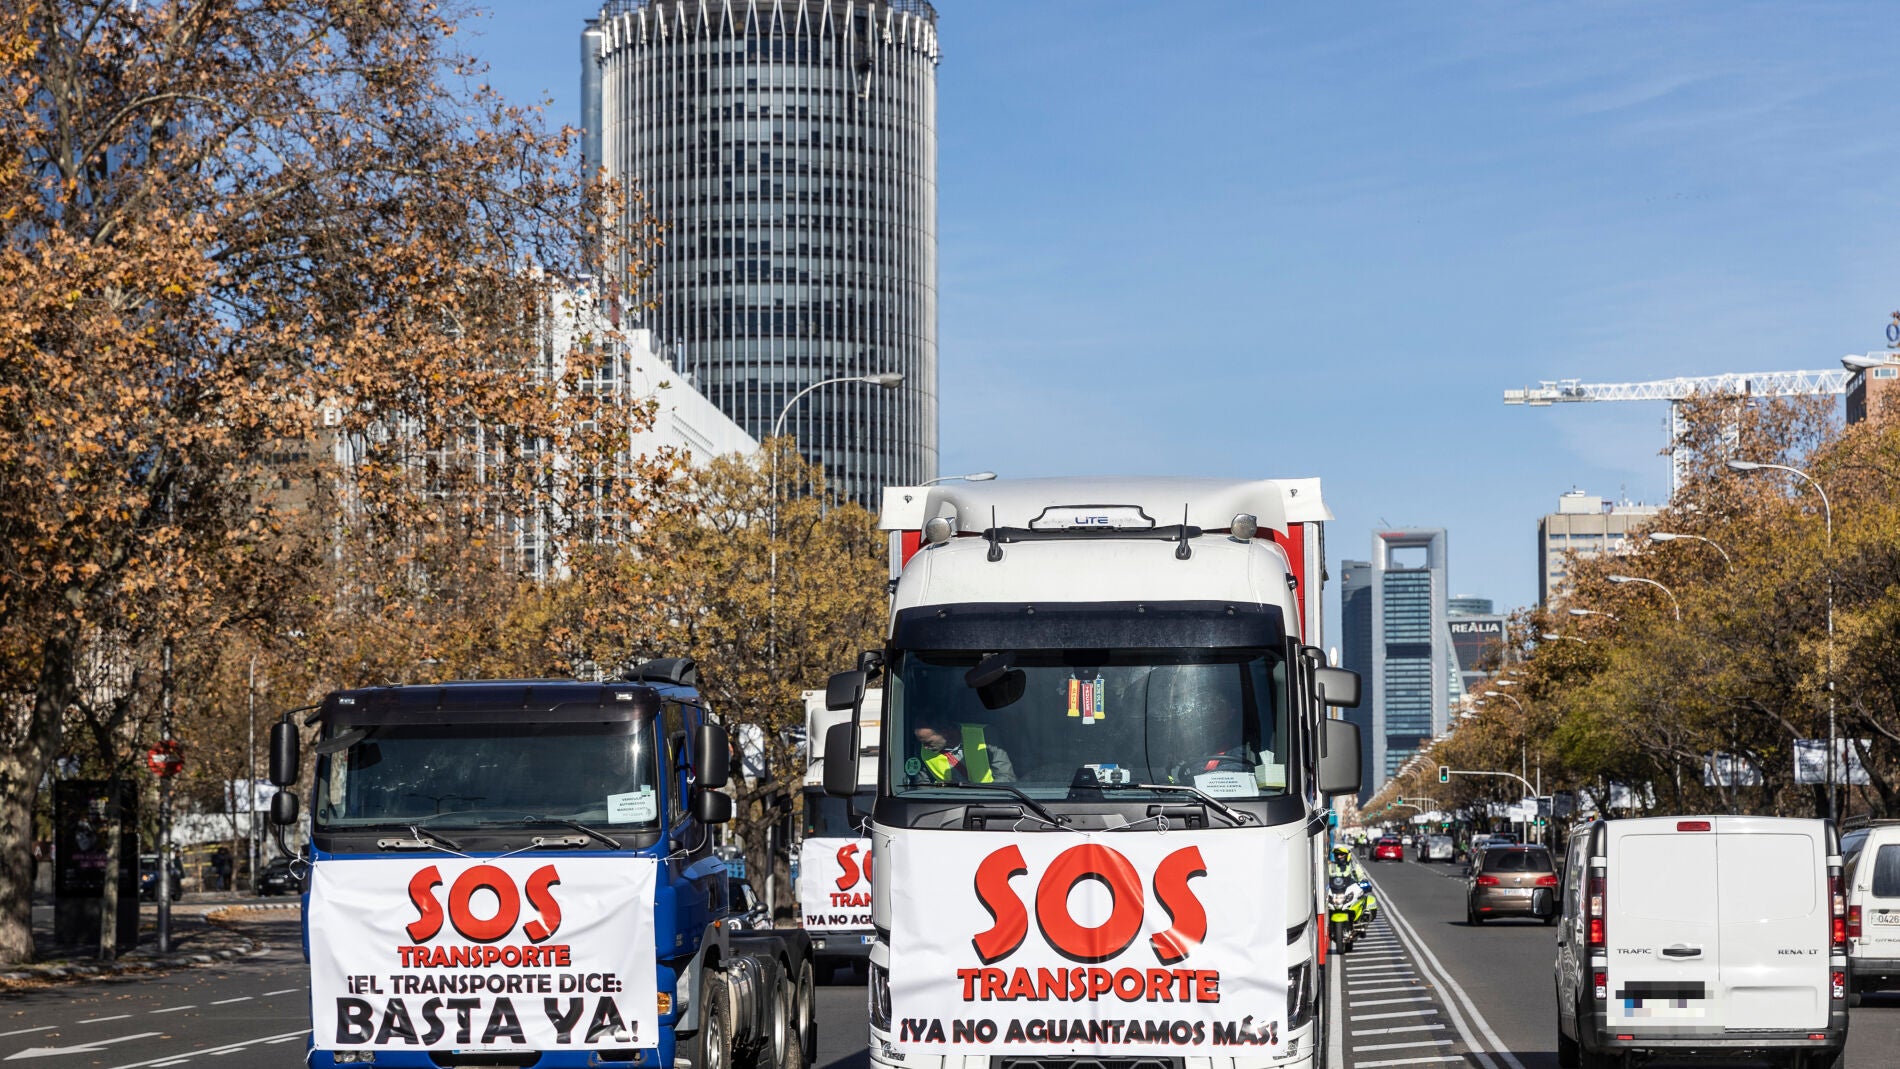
(1413, 667)
(789, 147)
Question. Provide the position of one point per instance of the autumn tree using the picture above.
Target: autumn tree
(227, 222)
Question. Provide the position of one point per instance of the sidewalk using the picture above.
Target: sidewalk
(203, 931)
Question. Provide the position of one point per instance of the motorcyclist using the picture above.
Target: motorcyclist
(1344, 864)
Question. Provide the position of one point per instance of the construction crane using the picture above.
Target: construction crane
(1676, 390)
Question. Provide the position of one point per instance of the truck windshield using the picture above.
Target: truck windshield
(1050, 721)
(601, 774)
(827, 817)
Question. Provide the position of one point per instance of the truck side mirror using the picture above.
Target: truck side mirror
(1342, 686)
(841, 758)
(711, 806)
(283, 808)
(712, 759)
(1339, 758)
(845, 690)
(284, 758)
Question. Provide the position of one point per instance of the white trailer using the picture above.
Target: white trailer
(1106, 757)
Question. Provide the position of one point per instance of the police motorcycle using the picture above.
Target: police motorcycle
(1346, 915)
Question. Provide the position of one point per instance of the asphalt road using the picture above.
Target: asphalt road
(252, 1011)
(1493, 983)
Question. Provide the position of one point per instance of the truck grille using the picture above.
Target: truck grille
(1069, 1062)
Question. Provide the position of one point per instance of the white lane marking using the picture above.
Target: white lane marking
(1411, 1061)
(1396, 1013)
(228, 1001)
(24, 1031)
(1385, 972)
(1437, 971)
(1399, 1028)
(1390, 1001)
(285, 1039)
(1401, 1046)
(1357, 958)
(174, 1059)
(285, 991)
(1356, 991)
(175, 1009)
(1335, 1037)
(87, 1047)
(99, 1020)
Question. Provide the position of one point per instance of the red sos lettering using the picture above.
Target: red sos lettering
(1127, 904)
(430, 914)
(848, 862)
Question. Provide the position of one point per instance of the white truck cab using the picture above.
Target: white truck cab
(834, 871)
(1704, 935)
(1105, 761)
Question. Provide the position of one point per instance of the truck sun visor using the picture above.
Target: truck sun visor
(1067, 625)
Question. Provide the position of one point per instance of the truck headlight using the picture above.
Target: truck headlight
(879, 994)
(1299, 997)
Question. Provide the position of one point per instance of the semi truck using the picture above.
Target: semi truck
(1106, 753)
(514, 873)
(834, 851)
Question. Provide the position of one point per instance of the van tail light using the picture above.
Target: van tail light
(1692, 825)
(1853, 922)
(1837, 926)
(1839, 983)
(1602, 982)
(1487, 881)
(1547, 880)
(1599, 891)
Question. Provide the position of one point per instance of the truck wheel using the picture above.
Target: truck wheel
(712, 1047)
(779, 1047)
(1568, 1053)
(806, 1013)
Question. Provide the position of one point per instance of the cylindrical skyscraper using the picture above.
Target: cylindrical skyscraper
(790, 149)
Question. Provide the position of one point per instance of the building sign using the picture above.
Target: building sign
(834, 884)
(483, 954)
(1093, 945)
(1474, 638)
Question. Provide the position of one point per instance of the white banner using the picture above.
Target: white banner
(1810, 761)
(447, 953)
(834, 884)
(1124, 944)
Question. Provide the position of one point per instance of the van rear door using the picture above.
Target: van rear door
(1665, 950)
(1877, 887)
(1774, 921)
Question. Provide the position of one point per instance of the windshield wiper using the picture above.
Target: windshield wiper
(1234, 816)
(611, 842)
(1037, 807)
(422, 838)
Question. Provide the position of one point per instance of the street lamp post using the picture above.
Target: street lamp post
(1552, 636)
(1671, 536)
(1593, 612)
(1523, 744)
(1827, 513)
(1674, 605)
(973, 477)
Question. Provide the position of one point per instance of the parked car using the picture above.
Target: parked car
(1511, 881)
(1702, 936)
(1388, 849)
(148, 877)
(1406, 839)
(1436, 848)
(280, 877)
(1871, 873)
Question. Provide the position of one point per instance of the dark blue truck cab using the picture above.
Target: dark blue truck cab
(522, 873)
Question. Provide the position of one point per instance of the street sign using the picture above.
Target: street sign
(165, 759)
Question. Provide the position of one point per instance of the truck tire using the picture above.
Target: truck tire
(805, 1012)
(1568, 1053)
(712, 1046)
(779, 1047)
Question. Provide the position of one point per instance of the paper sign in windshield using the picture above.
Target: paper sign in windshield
(635, 807)
(521, 953)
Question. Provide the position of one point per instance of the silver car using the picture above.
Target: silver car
(1436, 848)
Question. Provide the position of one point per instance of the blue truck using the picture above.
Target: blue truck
(524, 873)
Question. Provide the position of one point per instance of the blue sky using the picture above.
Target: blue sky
(1258, 240)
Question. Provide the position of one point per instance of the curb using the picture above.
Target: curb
(136, 961)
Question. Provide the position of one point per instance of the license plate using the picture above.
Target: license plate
(1515, 892)
(1887, 918)
(867, 940)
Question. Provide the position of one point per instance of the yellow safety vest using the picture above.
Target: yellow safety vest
(976, 757)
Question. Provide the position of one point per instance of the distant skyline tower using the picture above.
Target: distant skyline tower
(790, 149)
(1413, 665)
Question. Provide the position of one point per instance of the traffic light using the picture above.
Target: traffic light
(1444, 773)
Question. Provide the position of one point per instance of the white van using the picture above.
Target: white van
(1872, 865)
(1709, 934)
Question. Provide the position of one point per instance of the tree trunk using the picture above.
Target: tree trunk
(23, 762)
(109, 895)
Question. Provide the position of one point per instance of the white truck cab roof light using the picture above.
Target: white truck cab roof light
(1244, 526)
